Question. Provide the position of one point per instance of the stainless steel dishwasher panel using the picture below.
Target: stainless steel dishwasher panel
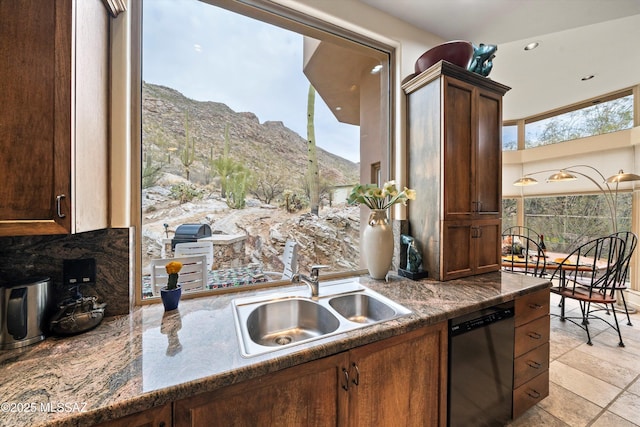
(481, 367)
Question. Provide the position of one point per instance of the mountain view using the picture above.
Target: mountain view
(205, 163)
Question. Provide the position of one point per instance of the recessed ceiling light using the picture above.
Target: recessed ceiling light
(338, 108)
(589, 77)
(531, 46)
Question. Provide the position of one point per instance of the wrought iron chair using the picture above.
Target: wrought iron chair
(620, 285)
(522, 231)
(523, 255)
(588, 275)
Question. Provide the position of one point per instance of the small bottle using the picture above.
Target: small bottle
(542, 245)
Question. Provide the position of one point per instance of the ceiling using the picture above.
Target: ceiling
(577, 38)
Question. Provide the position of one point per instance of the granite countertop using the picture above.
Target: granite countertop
(148, 358)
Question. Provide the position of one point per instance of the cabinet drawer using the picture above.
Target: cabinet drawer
(531, 335)
(530, 393)
(532, 306)
(530, 365)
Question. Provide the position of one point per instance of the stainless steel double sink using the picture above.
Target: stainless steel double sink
(275, 320)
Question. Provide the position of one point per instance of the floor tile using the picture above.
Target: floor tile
(608, 350)
(627, 406)
(609, 419)
(582, 384)
(537, 417)
(635, 387)
(562, 342)
(560, 399)
(603, 369)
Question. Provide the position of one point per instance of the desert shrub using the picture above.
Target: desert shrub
(185, 192)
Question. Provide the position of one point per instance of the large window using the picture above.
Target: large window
(605, 116)
(569, 221)
(509, 137)
(238, 109)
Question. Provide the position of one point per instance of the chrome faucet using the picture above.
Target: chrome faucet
(313, 280)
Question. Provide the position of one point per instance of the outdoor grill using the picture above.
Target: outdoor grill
(190, 233)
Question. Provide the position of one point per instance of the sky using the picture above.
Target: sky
(210, 54)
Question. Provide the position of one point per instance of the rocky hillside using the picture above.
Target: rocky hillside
(264, 148)
(268, 150)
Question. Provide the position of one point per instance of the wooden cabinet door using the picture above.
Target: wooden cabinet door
(155, 417)
(487, 240)
(400, 381)
(458, 150)
(54, 125)
(458, 245)
(310, 394)
(470, 247)
(36, 101)
(488, 156)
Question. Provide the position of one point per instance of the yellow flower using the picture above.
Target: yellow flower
(173, 267)
(411, 194)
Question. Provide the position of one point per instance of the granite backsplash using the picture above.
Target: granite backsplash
(37, 256)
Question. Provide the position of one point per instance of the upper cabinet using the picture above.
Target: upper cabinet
(455, 165)
(54, 125)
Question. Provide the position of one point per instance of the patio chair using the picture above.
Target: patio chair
(195, 248)
(620, 284)
(524, 256)
(192, 276)
(290, 261)
(588, 275)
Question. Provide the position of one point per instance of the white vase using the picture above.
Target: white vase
(377, 244)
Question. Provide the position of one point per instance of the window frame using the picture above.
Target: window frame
(523, 122)
(268, 12)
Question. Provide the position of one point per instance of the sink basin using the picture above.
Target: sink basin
(284, 322)
(272, 320)
(361, 308)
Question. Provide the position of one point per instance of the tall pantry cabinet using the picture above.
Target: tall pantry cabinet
(455, 165)
(54, 92)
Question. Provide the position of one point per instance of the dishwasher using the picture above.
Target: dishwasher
(480, 391)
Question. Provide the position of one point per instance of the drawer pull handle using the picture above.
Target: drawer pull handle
(535, 306)
(345, 386)
(533, 393)
(59, 205)
(356, 379)
(534, 335)
(533, 364)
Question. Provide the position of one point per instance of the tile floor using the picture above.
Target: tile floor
(596, 385)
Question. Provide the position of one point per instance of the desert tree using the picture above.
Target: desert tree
(268, 185)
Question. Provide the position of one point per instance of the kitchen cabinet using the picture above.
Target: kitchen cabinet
(531, 351)
(455, 166)
(401, 380)
(54, 125)
(308, 394)
(154, 417)
(397, 381)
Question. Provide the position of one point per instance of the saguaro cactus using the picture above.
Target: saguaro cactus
(187, 156)
(313, 176)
